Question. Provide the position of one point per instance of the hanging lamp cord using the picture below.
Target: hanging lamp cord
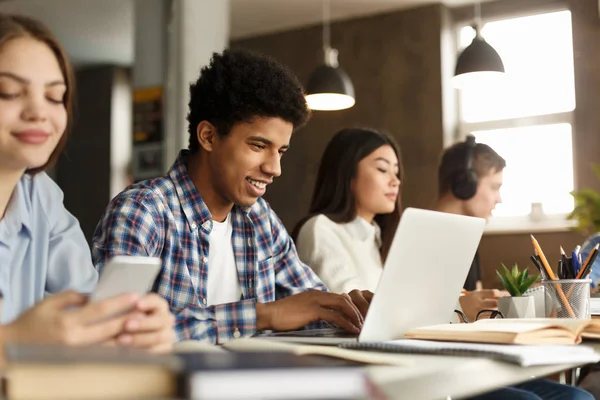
(477, 24)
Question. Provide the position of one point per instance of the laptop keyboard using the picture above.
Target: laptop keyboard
(323, 332)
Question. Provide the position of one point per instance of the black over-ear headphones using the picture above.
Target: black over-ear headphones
(464, 181)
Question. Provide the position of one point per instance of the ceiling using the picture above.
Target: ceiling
(101, 31)
(92, 31)
(255, 17)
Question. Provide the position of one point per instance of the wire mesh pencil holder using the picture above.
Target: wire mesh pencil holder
(567, 298)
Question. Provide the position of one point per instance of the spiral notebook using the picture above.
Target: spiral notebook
(523, 355)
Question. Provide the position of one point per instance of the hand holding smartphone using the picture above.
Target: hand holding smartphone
(127, 274)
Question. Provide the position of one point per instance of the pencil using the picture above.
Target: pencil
(588, 261)
(543, 259)
(551, 275)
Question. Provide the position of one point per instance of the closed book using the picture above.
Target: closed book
(271, 375)
(96, 372)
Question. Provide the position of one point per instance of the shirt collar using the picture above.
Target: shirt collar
(195, 209)
(17, 215)
(364, 231)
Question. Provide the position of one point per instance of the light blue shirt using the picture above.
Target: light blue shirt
(586, 249)
(42, 247)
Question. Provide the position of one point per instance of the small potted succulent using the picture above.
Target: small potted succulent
(516, 282)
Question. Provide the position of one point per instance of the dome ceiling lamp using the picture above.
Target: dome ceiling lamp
(479, 63)
(329, 87)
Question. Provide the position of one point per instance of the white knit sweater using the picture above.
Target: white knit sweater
(345, 256)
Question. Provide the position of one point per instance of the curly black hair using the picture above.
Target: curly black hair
(239, 85)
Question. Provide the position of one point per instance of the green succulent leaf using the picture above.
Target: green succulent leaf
(508, 284)
(528, 282)
(522, 277)
(515, 281)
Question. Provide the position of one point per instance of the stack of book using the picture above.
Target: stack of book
(57, 372)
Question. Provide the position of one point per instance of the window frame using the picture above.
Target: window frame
(524, 223)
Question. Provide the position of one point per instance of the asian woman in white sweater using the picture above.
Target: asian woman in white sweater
(354, 210)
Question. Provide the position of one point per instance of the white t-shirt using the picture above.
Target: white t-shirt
(223, 284)
(345, 256)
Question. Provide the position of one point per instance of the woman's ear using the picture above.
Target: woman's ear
(206, 134)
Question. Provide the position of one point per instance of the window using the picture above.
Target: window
(527, 118)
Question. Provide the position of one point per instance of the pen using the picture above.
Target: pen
(570, 272)
(542, 269)
(538, 265)
(567, 265)
(561, 269)
(575, 260)
(579, 260)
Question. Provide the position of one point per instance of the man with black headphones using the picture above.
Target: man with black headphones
(469, 181)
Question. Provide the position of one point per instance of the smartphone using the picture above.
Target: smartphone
(127, 274)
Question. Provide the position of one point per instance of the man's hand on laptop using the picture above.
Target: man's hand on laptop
(301, 309)
(362, 300)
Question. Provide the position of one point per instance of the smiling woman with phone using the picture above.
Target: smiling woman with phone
(42, 248)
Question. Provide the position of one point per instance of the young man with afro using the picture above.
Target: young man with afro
(230, 269)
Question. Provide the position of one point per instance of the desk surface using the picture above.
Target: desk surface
(437, 377)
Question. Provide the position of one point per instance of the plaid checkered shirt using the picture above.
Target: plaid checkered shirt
(166, 217)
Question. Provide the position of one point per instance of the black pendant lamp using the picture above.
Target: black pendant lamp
(479, 63)
(329, 87)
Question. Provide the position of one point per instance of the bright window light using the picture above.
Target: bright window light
(527, 119)
(539, 168)
(537, 52)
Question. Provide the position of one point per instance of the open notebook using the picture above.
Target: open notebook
(387, 353)
(536, 331)
(256, 344)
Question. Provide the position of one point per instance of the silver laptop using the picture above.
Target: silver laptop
(423, 275)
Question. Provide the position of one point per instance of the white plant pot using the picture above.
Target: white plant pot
(517, 307)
